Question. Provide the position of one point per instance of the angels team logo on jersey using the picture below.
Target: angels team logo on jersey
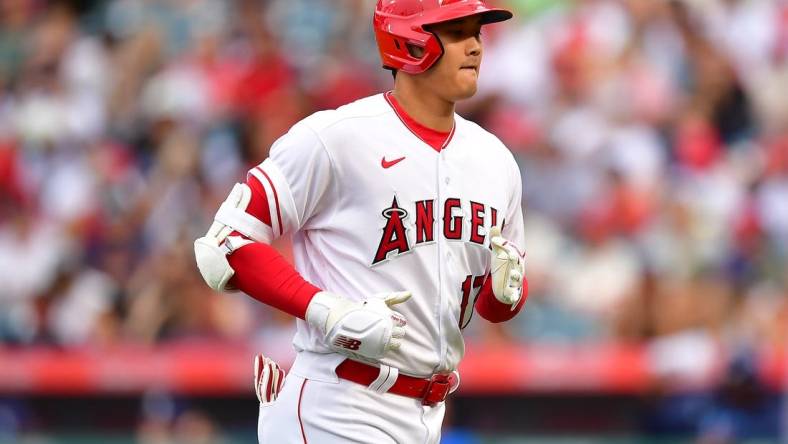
(394, 236)
(394, 240)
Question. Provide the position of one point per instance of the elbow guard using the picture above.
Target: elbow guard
(212, 259)
(211, 250)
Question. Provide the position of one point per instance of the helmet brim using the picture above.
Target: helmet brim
(496, 15)
(490, 15)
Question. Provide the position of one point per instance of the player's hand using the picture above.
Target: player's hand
(507, 269)
(364, 330)
(268, 379)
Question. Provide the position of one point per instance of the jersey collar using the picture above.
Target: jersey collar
(437, 140)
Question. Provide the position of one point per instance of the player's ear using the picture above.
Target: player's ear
(415, 51)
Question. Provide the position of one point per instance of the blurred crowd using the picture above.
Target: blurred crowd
(652, 136)
(123, 125)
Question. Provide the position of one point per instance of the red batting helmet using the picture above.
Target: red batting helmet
(399, 23)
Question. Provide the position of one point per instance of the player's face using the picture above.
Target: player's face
(456, 74)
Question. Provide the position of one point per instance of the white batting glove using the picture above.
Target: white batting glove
(268, 379)
(507, 269)
(363, 330)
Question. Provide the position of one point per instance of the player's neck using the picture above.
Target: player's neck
(425, 107)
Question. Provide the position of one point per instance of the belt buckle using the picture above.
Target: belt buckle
(436, 391)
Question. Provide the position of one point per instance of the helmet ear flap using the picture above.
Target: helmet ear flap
(415, 51)
(409, 50)
(403, 43)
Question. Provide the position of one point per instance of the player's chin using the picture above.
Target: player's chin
(466, 88)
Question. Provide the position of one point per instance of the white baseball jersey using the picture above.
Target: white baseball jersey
(372, 208)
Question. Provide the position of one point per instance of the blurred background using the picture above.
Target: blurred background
(653, 140)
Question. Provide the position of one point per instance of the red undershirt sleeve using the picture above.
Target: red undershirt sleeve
(262, 273)
(494, 310)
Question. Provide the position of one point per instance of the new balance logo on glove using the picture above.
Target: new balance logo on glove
(347, 343)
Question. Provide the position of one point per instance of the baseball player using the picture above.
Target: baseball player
(405, 219)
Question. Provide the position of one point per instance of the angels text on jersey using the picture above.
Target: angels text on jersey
(463, 220)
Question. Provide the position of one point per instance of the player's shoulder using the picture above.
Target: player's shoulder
(347, 115)
(474, 132)
(324, 131)
(478, 136)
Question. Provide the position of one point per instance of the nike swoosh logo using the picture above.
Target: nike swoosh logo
(390, 163)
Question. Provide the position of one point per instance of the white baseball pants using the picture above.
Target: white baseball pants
(316, 407)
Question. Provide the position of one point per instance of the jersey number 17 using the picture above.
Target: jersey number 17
(470, 291)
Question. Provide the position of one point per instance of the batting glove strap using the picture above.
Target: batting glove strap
(364, 330)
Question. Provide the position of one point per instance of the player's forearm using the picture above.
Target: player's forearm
(262, 273)
(493, 310)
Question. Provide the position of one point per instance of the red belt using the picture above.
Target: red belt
(430, 391)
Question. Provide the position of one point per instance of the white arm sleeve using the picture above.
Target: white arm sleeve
(296, 178)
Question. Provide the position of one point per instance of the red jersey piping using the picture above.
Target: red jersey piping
(437, 140)
(300, 422)
(276, 199)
